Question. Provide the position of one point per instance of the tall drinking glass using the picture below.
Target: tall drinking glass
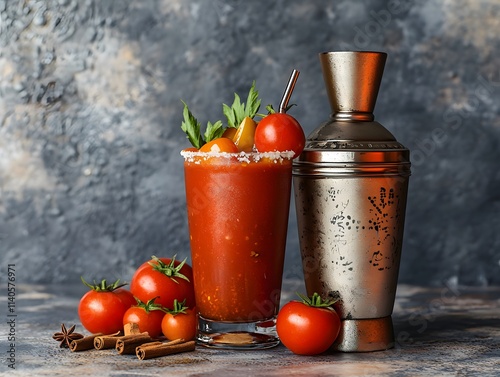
(237, 206)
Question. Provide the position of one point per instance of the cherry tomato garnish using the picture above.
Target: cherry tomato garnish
(279, 132)
(222, 144)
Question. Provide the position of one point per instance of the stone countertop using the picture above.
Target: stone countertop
(440, 331)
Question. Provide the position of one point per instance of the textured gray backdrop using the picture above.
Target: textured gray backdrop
(91, 180)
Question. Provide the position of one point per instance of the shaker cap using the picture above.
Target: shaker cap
(352, 80)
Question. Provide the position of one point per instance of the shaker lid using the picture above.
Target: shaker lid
(351, 158)
(351, 139)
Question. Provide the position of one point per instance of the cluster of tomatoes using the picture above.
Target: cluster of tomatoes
(160, 301)
(275, 132)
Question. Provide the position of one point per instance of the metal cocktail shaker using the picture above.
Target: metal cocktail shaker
(351, 184)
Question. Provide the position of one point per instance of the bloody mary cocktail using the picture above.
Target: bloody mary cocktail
(238, 206)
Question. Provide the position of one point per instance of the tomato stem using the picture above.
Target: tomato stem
(170, 269)
(103, 286)
(316, 301)
(179, 308)
(150, 305)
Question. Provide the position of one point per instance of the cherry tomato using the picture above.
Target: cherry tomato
(245, 134)
(279, 132)
(147, 316)
(309, 327)
(102, 308)
(229, 132)
(164, 278)
(180, 323)
(222, 144)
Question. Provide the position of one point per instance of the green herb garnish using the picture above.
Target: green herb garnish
(234, 115)
(192, 127)
(238, 111)
(214, 131)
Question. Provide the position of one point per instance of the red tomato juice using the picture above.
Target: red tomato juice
(238, 219)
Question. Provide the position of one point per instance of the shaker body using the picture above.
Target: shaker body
(351, 234)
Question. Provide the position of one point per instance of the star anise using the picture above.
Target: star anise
(66, 336)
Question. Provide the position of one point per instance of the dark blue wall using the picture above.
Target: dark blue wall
(91, 180)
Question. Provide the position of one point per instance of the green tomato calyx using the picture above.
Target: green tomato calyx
(170, 269)
(316, 301)
(178, 308)
(150, 305)
(270, 110)
(103, 286)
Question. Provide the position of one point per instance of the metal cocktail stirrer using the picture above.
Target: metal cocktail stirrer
(287, 94)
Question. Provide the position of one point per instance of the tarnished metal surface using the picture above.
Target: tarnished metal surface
(351, 232)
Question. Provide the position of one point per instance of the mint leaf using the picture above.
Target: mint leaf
(191, 127)
(213, 131)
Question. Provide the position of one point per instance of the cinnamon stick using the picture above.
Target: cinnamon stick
(151, 344)
(84, 343)
(131, 328)
(126, 344)
(164, 349)
(106, 341)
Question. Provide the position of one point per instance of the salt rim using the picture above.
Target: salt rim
(194, 156)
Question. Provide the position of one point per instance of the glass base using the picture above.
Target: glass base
(237, 336)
